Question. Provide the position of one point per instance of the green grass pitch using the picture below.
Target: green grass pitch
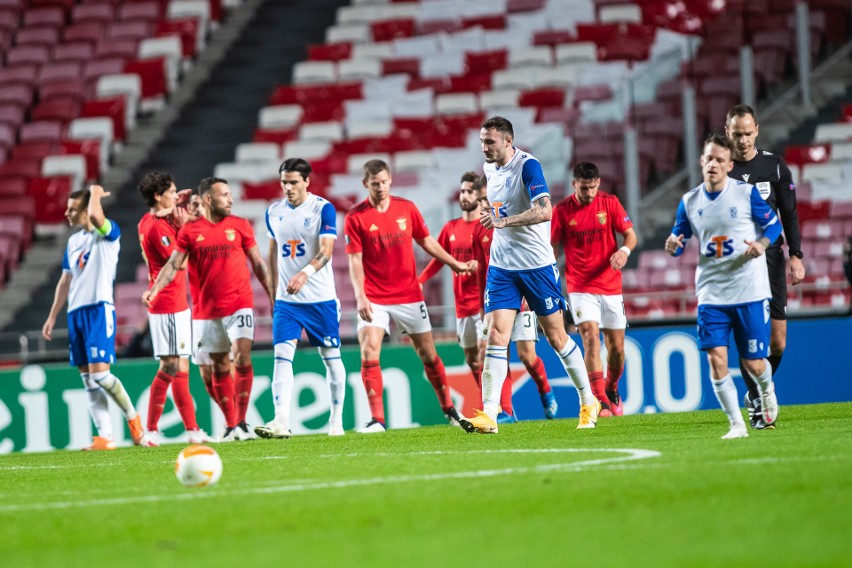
(649, 490)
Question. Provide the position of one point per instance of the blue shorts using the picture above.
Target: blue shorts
(321, 322)
(540, 287)
(749, 322)
(91, 335)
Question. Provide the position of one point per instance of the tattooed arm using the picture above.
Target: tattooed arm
(319, 260)
(541, 211)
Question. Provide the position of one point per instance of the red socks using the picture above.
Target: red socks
(438, 377)
(613, 375)
(506, 395)
(183, 400)
(244, 379)
(157, 399)
(223, 387)
(371, 374)
(539, 375)
(596, 380)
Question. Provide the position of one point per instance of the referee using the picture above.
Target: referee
(773, 180)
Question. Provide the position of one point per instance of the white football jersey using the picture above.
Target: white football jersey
(512, 189)
(297, 232)
(725, 276)
(91, 258)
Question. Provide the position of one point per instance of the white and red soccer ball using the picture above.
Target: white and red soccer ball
(198, 466)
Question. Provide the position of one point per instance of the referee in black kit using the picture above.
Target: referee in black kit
(774, 182)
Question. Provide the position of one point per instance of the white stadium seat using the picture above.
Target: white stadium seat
(258, 152)
(280, 116)
(73, 165)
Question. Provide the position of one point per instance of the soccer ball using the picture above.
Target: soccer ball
(197, 466)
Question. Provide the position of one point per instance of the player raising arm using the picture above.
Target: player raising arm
(88, 272)
(217, 245)
(380, 232)
(733, 226)
(303, 228)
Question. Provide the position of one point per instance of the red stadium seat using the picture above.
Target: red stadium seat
(27, 55)
(41, 35)
(11, 115)
(71, 89)
(268, 190)
(33, 150)
(100, 12)
(486, 61)
(41, 131)
(27, 168)
(47, 16)
(90, 149)
(19, 95)
(91, 31)
(80, 51)
(323, 112)
(117, 48)
(15, 186)
(277, 136)
(542, 98)
(51, 198)
(187, 29)
(151, 11)
(62, 109)
(329, 51)
(493, 22)
(407, 65)
(113, 108)
(19, 75)
(62, 71)
(16, 225)
(388, 30)
(808, 154)
(153, 73)
(554, 37)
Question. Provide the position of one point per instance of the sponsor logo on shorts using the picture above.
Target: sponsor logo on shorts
(548, 302)
(752, 345)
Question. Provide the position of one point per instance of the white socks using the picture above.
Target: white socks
(113, 386)
(726, 394)
(335, 374)
(98, 407)
(574, 365)
(494, 370)
(764, 380)
(282, 381)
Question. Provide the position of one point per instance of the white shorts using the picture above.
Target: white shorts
(410, 318)
(217, 335)
(607, 311)
(524, 328)
(171, 334)
(469, 330)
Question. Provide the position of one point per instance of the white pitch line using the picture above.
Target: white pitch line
(632, 455)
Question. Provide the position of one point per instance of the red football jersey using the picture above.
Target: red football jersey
(588, 235)
(482, 238)
(157, 236)
(457, 238)
(386, 243)
(218, 255)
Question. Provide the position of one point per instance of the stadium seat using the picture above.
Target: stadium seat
(100, 128)
(90, 149)
(51, 198)
(308, 150)
(70, 165)
(112, 108)
(280, 116)
(90, 31)
(253, 152)
(80, 51)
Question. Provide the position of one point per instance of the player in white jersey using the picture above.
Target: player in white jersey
(88, 271)
(734, 226)
(303, 227)
(522, 266)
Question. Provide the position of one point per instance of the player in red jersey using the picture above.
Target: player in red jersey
(457, 238)
(379, 234)
(169, 315)
(524, 330)
(585, 225)
(217, 245)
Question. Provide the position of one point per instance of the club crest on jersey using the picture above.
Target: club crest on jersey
(165, 240)
(601, 215)
(307, 222)
(508, 182)
(402, 222)
(733, 211)
(230, 234)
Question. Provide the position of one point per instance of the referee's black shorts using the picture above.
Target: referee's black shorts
(777, 283)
